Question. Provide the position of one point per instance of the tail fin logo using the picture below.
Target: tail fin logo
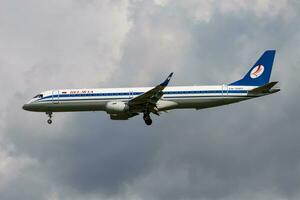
(257, 71)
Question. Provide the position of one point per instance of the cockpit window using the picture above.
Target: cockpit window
(38, 96)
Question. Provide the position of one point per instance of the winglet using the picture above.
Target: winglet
(166, 82)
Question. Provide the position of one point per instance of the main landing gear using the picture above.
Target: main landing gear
(50, 116)
(147, 119)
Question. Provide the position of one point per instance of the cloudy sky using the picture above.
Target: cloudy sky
(245, 151)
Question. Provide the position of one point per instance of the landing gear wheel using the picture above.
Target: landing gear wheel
(147, 119)
(148, 122)
(50, 116)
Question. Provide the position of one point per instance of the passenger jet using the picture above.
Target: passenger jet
(125, 103)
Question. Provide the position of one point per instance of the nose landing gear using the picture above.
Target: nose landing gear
(50, 116)
(147, 119)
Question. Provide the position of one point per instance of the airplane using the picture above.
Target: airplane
(125, 103)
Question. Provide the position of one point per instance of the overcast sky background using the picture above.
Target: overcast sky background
(245, 151)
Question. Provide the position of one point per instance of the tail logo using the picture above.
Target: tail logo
(257, 71)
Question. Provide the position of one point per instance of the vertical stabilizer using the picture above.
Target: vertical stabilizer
(260, 73)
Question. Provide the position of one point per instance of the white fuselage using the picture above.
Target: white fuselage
(197, 97)
(125, 103)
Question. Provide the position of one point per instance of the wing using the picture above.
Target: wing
(146, 102)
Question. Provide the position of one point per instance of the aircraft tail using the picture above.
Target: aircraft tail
(260, 73)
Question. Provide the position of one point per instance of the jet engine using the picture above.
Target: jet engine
(122, 116)
(116, 107)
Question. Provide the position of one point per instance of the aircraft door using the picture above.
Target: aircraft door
(224, 90)
(55, 96)
(130, 94)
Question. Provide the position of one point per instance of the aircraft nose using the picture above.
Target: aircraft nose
(26, 107)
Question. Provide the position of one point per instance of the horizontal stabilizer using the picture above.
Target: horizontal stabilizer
(267, 88)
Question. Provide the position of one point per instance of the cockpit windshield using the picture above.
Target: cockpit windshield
(38, 96)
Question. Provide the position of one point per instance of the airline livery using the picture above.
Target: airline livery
(124, 103)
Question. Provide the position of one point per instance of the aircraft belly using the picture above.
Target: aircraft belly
(70, 106)
(200, 103)
(79, 106)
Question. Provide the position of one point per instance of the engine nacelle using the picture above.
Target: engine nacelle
(116, 107)
(119, 116)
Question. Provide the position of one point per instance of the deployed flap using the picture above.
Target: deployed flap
(265, 88)
(151, 96)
